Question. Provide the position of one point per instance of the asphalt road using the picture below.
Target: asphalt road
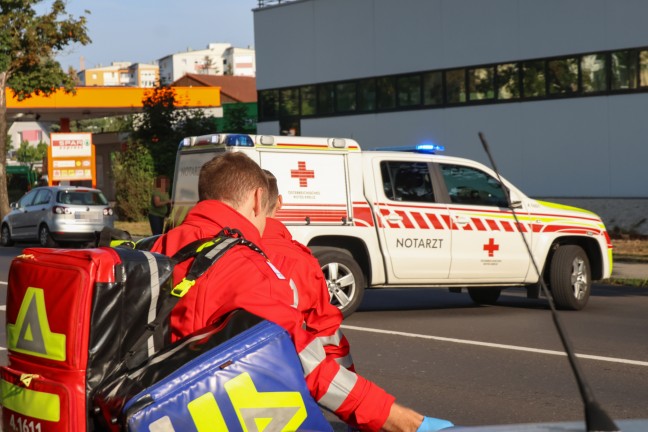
(442, 355)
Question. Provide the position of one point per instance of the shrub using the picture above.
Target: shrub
(133, 173)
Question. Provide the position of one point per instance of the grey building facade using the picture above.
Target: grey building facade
(558, 87)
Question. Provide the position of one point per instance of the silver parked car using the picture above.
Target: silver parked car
(55, 214)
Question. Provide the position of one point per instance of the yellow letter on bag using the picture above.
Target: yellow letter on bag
(31, 333)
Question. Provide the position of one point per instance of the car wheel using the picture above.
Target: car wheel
(344, 278)
(5, 236)
(487, 296)
(44, 237)
(570, 277)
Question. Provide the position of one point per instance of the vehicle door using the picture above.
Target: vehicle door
(36, 212)
(412, 231)
(486, 241)
(19, 218)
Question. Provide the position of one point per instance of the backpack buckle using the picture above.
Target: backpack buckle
(181, 289)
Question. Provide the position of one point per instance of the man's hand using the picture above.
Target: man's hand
(403, 419)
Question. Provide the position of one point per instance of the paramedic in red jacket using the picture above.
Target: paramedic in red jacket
(233, 192)
(312, 298)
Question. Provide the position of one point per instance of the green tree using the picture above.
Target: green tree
(29, 154)
(237, 119)
(133, 173)
(28, 46)
(163, 125)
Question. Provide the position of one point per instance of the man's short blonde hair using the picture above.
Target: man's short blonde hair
(229, 177)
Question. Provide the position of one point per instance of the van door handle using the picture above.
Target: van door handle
(461, 220)
(394, 217)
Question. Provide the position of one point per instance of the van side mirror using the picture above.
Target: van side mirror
(516, 202)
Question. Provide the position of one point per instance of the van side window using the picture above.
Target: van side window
(467, 185)
(406, 181)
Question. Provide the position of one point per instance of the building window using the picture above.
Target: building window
(290, 127)
(345, 94)
(643, 68)
(578, 75)
(326, 99)
(508, 81)
(409, 91)
(367, 95)
(594, 73)
(481, 83)
(289, 102)
(563, 76)
(433, 88)
(624, 70)
(456, 86)
(534, 79)
(308, 100)
(386, 89)
(269, 104)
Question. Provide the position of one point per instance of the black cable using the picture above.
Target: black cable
(596, 419)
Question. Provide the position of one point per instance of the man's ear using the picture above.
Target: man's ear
(279, 203)
(258, 207)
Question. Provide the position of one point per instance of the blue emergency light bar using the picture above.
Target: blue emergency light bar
(239, 140)
(232, 140)
(420, 148)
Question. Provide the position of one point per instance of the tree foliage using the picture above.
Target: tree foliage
(237, 119)
(27, 153)
(28, 46)
(133, 174)
(163, 125)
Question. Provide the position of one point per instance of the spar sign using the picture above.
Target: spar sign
(71, 157)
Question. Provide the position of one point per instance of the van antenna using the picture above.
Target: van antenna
(596, 419)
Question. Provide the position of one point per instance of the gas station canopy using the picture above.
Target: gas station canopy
(96, 102)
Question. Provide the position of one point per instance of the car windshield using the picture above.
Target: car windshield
(81, 197)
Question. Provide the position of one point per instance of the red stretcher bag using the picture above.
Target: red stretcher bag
(71, 317)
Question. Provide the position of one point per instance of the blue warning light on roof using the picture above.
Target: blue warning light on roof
(426, 148)
(429, 148)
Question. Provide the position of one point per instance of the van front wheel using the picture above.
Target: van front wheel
(570, 277)
(344, 278)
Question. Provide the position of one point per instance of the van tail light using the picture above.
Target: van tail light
(61, 210)
(108, 211)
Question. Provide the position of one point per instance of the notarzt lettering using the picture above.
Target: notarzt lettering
(419, 243)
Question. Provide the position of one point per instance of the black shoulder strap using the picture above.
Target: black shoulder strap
(206, 252)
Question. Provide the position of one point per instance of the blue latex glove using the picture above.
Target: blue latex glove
(431, 424)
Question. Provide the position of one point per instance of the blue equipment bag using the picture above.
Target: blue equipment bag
(251, 382)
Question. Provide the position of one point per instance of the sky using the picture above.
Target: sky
(142, 31)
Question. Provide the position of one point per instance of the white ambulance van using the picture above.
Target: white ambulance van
(388, 219)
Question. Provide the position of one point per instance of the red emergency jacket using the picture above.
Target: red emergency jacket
(244, 279)
(296, 262)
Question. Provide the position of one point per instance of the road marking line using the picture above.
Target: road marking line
(494, 345)
(3, 307)
(3, 283)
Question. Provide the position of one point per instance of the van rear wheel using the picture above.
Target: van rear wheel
(344, 278)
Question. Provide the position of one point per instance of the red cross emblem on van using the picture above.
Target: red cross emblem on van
(491, 247)
(302, 174)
